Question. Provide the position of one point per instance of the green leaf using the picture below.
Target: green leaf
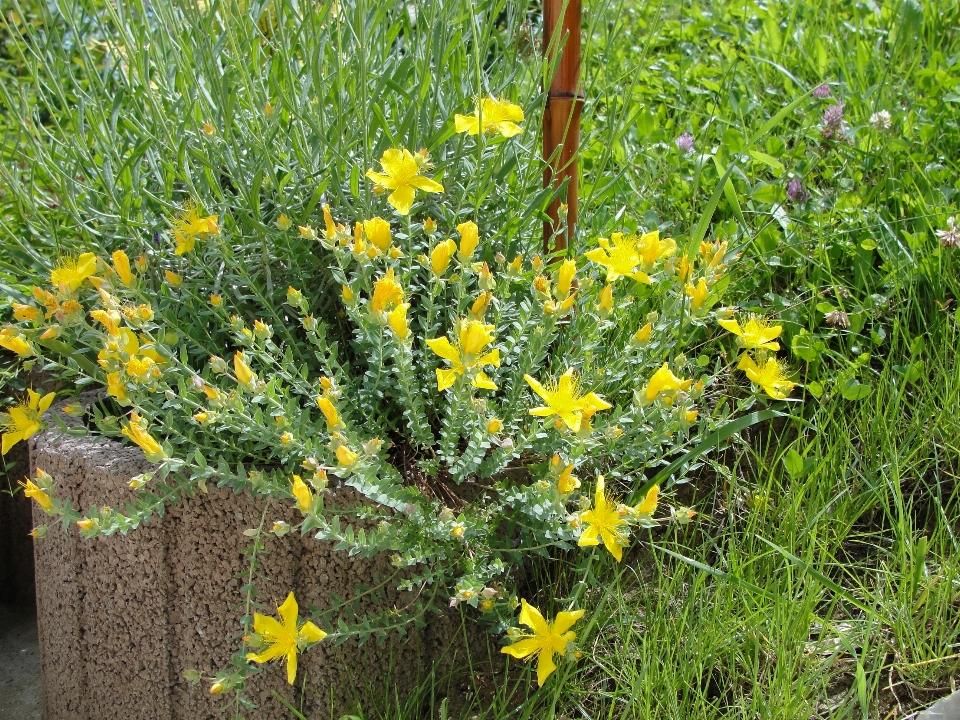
(769, 161)
(793, 463)
(853, 389)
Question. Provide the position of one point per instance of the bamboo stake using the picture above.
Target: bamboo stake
(561, 117)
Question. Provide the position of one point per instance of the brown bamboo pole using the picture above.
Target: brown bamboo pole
(561, 117)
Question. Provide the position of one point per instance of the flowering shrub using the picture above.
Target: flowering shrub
(529, 396)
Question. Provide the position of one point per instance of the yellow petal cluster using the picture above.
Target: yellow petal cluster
(284, 638)
(401, 175)
(566, 400)
(22, 421)
(491, 115)
(545, 640)
(603, 523)
(467, 356)
(773, 377)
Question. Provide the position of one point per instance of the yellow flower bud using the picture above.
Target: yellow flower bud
(172, 277)
(302, 493)
(429, 226)
(440, 257)
(605, 306)
(643, 334)
(469, 238)
(398, 320)
(243, 372)
(121, 263)
(378, 232)
(345, 456)
(565, 277)
(494, 425)
(85, 524)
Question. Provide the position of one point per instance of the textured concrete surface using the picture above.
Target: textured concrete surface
(120, 618)
(19, 664)
(16, 521)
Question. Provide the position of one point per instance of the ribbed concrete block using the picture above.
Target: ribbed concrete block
(121, 617)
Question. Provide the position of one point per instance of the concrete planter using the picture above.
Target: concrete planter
(120, 618)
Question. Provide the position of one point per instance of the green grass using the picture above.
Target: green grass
(820, 578)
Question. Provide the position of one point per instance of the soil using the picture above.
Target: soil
(19, 664)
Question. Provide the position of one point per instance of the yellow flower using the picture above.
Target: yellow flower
(347, 294)
(545, 641)
(136, 431)
(469, 238)
(429, 226)
(140, 367)
(32, 491)
(283, 223)
(516, 264)
(698, 293)
(286, 638)
(643, 334)
(691, 415)
(473, 336)
(440, 257)
(302, 493)
(202, 416)
(755, 334)
(172, 277)
(603, 523)
(216, 300)
(71, 272)
(566, 401)
(621, 255)
(345, 456)
(398, 320)
(377, 231)
(329, 412)
(189, 224)
(121, 263)
(401, 174)
(11, 339)
(772, 377)
(565, 275)
(26, 312)
(22, 421)
(85, 524)
(218, 687)
(243, 372)
(307, 232)
(567, 482)
(664, 382)
(652, 248)
(648, 506)
(286, 438)
(494, 425)
(491, 115)
(116, 387)
(110, 319)
(387, 293)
